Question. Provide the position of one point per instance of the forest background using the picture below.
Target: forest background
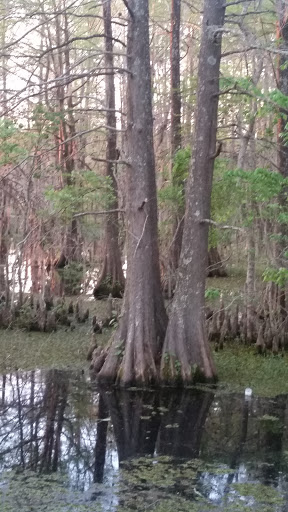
(80, 184)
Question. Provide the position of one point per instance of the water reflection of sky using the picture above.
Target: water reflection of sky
(55, 421)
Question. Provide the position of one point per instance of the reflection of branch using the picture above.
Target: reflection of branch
(20, 444)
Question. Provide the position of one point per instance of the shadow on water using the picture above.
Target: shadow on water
(65, 446)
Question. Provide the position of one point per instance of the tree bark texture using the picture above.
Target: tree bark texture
(186, 355)
(111, 278)
(175, 77)
(175, 122)
(135, 352)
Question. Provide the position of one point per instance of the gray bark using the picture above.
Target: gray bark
(111, 278)
(186, 354)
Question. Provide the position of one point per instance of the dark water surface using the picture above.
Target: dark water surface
(65, 446)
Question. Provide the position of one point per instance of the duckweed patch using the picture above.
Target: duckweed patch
(61, 349)
(259, 492)
(239, 368)
(30, 492)
(166, 484)
(161, 483)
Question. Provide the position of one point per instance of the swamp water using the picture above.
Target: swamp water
(65, 447)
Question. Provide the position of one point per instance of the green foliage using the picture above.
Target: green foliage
(181, 166)
(46, 122)
(261, 185)
(172, 195)
(278, 276)
(10, 148)
(242, 84)
(72, 275)
(26, 318)
(85, 190)
(222, 211)
(212, 293)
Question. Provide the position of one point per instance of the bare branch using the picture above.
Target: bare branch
(237, 2)
(99, 212)
(220, 226)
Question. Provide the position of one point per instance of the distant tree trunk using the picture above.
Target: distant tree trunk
(186, 354)
(246, 160)
(111, 278)
(216, 266)
(175, 123)
(65, 140)
(135, 352)
(3, 244)
(282, 143)
(175, 77)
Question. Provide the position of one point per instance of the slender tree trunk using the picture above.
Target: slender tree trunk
(216, 266)
(3, 244)
(246, 160)
(186, 354)
(175, 77)
(111, 278)
(135, 352)
(175, 123)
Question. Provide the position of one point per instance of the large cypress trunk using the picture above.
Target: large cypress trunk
(186, 353)
(111, 278)
(135, 351)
